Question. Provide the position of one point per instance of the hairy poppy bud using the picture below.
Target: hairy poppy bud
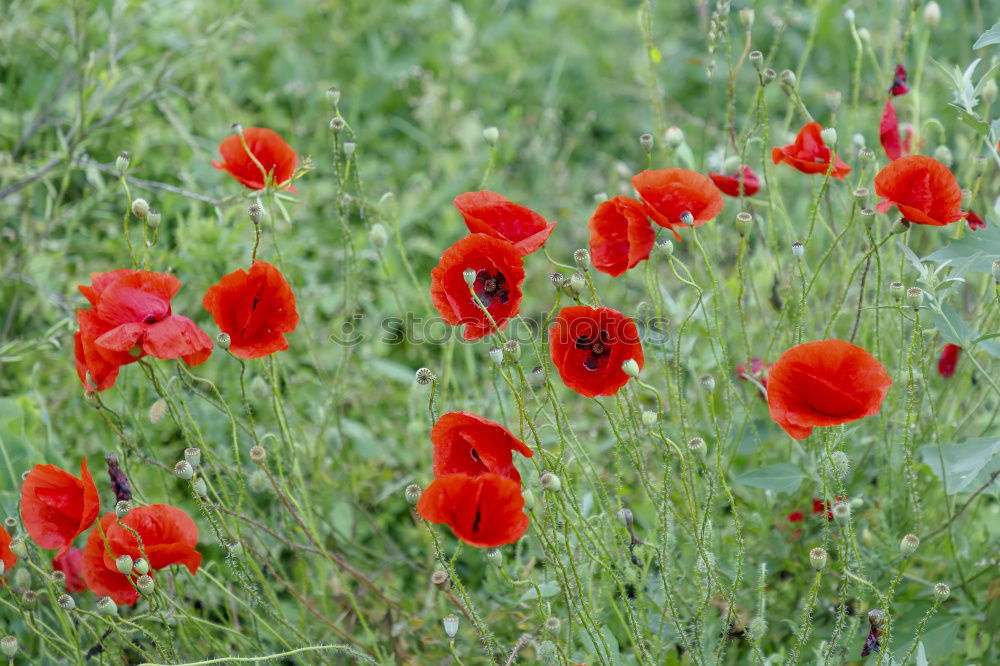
(839, 464)
(942, 592)
(697, 446)
(932, 14)
(145, 585)
(450, 625)
(124, 564)
(577, 282)
(758, 628)
(897, 290)
(140, 208)
(858, 139)
(841, 511)
(258, 481)
(495, 556)
(915, 297)
(492, 135)
(469, 275)
(141, 566)
(788, 78)
(200, 487)
(833, 99)
(550, 481)
(865, 35)
(66, 602)
(122, 507)
(122, 162)
(193, 456)
(756, 59)
(553, 624)
(744, 221)
(673, 137)
(649, 417)
(767, 76)
(8, 644)
(829, 136)
(625, 517)
(990, 91)
(943, 155)
(22, 579)
(817, 558)
(529, 499)
(665, 247)
(582, 259)
(223, 340)
(333, 96)
(412, 494)
(909, 545)
(687, 218)
(378, 236)
(258, 454)
(746, 18)
(707, 383)
(424, 376)
(349, 148)
(105, 606)
(630, 368)
(184, 470)
(157, 410)
(337, 124)
(440, 580)
(849, 15)
(646, 141)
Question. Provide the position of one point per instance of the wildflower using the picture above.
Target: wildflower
(7, 556)
(588, 346)
(271, 152)
(975, 222)
(499, 272)
(169, 536)
(466, 443)
(824, 383)
(730, 183)
(71, 565)
(888, 132)
(130, 318)
(923, 189)
(898, 86)
(948, 360)
(796, 517)
(485, 511)
(670, 193)
(495, 215)
(255, 309)
(757, 370)
(57, 507)
(809, 154)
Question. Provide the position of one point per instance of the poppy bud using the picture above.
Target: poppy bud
(256, 213)
(141, 566)
(849, 15)
(105, 606)
(646, 141)
(124, 564)
(451, 625)
(867, 155)
(9, 646)
(858, 140)
(841, 511)
(943, 155)
(757, 627)
(915, 297)
(788, 78)
(412, 494)
(909, 544)
(687, 218)
(223, 340)
(236, 129)
(582, 259)
(349, 148)
(122, 163)
(553, 624)
(495, 354)
(649, 417)
(122, 507)
(932, 14)
(861, 195)
(865, 35)
(897, 291)
(767, 76)
(707, 383)
(66, 602)
(140, 208)
(899, 226)
(577, 282)
(673, 137)
(153, 220)
(440, 580)
(979, 165)
(630, 368)
(157, 410)
(817, 558)
(258, 481)
(990, 91)
(697, 446)
(550, 481)
(756, 59)
(492, 135)
(378, 236)
(184, 470)
(995, 269)
(337, 124)
(495, 556)
(333, 96)
(833, 98)
(145, 585)
(424, 376)
(625, 517)
(469, 275)
(529, 499)
(829, 136)
(91, 399)
(966, 197)
(22, 579)
(746, 18)
(743, 222)
(200, 487)
(840, 465)
(665, 247)
(512, 350)
(258, 454)
(942, 592)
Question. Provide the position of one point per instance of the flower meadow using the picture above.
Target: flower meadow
(491, 333)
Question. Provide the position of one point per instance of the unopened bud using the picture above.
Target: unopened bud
(145, 584)
(673, 137)
(140, 208)
(258, 454)
(122, 507)
(495, 556)
(258, 481)
(630, 368)
(646, 141)
(744, 221)
(124, 564)
(550, 482)
(256, 213)
(649, 417)
(758, 628)
(707, 383)
(858, 139)
(817, 558)
(22, 579)
(529, 499)
(424, 376)
(333, 96)
(200, 487)
(223, 340)
(829, 136)
(841, 511)
(450, 625)
(909, 545)
(349, 148)
(990, 91)
(943, 155)
(746, 18)
(184, 470)
(8, 644)
(915, 297)
(833, 99)
(625, 517)
(577, 282)
(665, 247)
(865, 35)
(840, 465)
(942, 592)
(141, 566)
(582, 258)
(469, 275)
(412, 494)
(492, 135)
(105, 606)
(440, 580)
(756, 59)
(378, 236)
(932, 14)
(122, 162)
(66, 602)
(849, 15)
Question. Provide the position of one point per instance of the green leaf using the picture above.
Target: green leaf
(549, 589)
(920, 658)
(782, 478)
(954, 330)
(991, 36)
(963, 462)
(983, 245)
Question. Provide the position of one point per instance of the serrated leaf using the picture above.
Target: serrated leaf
(991, 36)
(781, 478)
(963, 462)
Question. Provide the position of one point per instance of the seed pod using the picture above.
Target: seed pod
(646, 141)
(909, 545)
(124, 564)
(817, 558)
(942, 592)
(105, 606)
(66, 602)
(450, 625)
(412, 494)
(424, 376)
(184, 470)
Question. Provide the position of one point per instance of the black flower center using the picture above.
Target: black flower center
(598, 348)
(491, 288)
(475, 456)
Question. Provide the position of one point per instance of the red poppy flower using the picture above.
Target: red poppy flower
(7, 556)
(466, 443)
(824, 383)
(71, 564)
(898, 86)
(975, 222)
(796, 517)
(276, 156)
(130, 318)
(620, 235)
(669, 193)
(256, 309)
(497, 216)
(809, 154)
(949, 360)
(923, 189)
(499, 273)
(57, 507)
(588, 346)
(730, 183)
(169, 536)
(889, 132)
(757, 371)
(819, 506)
(484, 511)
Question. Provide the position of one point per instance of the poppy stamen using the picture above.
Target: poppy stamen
(490, 288)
